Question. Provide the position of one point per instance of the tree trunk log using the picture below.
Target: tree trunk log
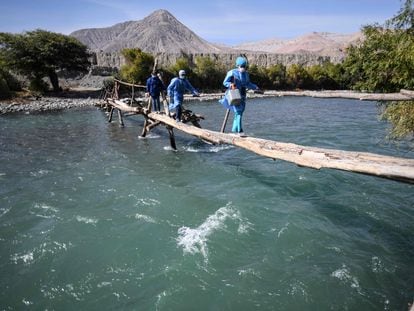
(54, 81)
(361, 162)
(400, 169)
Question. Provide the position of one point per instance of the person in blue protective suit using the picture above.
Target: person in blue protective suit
(238, 78)
(154, 89)
(176, 90)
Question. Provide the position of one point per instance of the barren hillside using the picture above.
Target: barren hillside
(159, 32)
(321, 43)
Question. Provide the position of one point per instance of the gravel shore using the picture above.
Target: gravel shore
(44, 104)
(33, 105)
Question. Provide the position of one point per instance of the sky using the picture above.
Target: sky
(225, 22)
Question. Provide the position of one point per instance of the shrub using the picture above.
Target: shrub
(4, 89)
(38, 85)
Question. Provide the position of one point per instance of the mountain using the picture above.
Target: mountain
(162, 34)
(159, 32)
(320, 43)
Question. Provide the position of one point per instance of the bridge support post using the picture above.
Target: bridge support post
(172, 138)
(120, 118)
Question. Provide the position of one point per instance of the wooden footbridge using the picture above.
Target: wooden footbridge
(395, 168)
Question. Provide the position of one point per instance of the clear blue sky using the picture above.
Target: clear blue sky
(229, 22)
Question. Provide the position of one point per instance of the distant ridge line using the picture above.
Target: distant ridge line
(161, 32)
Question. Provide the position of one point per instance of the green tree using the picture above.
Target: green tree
(298, 77)
(337, 75)
(209, 73)
(276, 74)
(8, 83)
(404, 18)
(138, 66)
(39, 53)
(258, 75)
(384, 61)
(401, 116)
(182, 63)
(323, 76)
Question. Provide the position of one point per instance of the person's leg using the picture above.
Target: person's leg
(178, 111)
(157, 104)
(237, 122)
(154, 103)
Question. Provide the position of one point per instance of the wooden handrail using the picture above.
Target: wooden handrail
(130, 84)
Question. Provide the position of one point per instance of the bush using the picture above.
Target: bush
(4, 89)
(138, 66)
(8, 84)
(38, 85)
(400, 114)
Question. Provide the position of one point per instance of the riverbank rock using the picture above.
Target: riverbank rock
(44, 104)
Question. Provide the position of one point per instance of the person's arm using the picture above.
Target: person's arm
(162, 86)
(228, 80)
(189, 87)
(170, 87)
(250, 85)
(148, 86)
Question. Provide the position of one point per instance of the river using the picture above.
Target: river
(94, 218)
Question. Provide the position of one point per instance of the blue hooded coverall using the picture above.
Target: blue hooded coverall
(154, 88)
(176, 91)
(242, 82)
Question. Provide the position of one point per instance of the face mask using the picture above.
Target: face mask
(242, 69)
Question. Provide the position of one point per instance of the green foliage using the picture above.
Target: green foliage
(326, 76)
(209, 74)
(39, 53)
(335, 74)
(4, 89)
(298, 77)
(400, 114)
(384, 62)
(138, 66)
(276, 75)
(258, 75)
(181, 64)
(38, 85)
(405, 17)
(8, 83)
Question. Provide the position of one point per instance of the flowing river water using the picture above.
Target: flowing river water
(94, 218)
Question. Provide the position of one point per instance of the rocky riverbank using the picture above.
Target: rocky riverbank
(33, 105)
(88, 99)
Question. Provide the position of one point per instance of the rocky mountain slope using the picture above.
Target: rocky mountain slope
(159, 32)
(321, 43)
(162, 34)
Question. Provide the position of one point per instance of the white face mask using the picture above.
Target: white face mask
(242, 69)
